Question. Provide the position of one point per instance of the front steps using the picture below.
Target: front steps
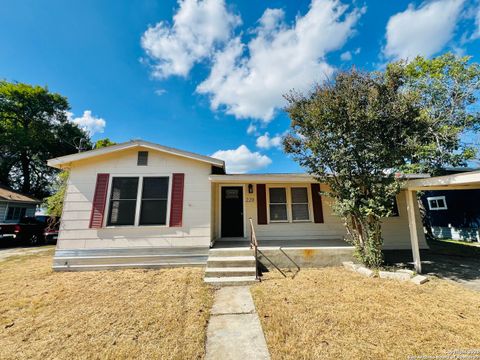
(230, 266)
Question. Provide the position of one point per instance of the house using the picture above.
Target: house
(14, 205)
(139, 204)
(453, 214)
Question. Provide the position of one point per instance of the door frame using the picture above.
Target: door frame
(220, 186)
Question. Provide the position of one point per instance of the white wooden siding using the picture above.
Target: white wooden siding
(196, 230)
(395, 229)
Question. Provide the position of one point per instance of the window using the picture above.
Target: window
(300, 204)
(15, 212)
(154, 201)
(142, 159)
(123, 201)
(278, 204)
(437, 203)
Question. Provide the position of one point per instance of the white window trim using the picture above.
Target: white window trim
(429, 199)
(288, 193)
(138, 203)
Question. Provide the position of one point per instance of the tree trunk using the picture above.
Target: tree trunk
(25, 161)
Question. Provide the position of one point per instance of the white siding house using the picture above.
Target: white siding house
(140, 204)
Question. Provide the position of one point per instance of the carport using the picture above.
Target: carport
(461, 181)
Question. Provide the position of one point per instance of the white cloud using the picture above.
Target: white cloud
(242, 160)
(198, 26)
(252, 129)
(346, 56)
(422, 31)
(88, 122)
(476, 33)
(248, 80)
(160, 92)
(267, 142)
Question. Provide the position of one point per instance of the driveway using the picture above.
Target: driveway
(21, 251)
(448, 261)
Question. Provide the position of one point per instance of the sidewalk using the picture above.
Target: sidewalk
(234, 329)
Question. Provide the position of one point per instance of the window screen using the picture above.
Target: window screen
(278, 204)
(142, 159)
(123, 201)
(154, 201)
(300, 204)
(437, 203)
(16, 213)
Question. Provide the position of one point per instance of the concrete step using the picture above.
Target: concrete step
(240, 251)
(229, 272)
(230, 261)
(231, 281)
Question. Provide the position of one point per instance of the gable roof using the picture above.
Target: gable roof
(60, 162)
(7, 194)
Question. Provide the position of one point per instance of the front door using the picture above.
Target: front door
(232, 211)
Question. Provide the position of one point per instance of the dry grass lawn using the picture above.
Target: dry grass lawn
(335, 314)
(126, 314)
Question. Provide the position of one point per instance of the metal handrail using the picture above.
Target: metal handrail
(254, 246)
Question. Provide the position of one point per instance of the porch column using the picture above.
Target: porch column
(412, 224)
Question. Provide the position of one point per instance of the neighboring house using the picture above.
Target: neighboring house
(14, 205)
(453, 214)
(139, 204)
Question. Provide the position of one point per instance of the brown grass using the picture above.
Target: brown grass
(125, 314)
(335, 314)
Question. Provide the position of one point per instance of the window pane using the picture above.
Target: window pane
(278, 212)
(440, 203)
(299, 195)
(433, 204)
(154, 212)
(278, 195)
(124, 188)
(155, 188)
(300, 212)
(122, 212)
(11, 210)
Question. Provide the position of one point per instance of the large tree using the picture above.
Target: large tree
(34, 128)
(354, 132)
(446, 89)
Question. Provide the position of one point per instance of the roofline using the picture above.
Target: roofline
(63, 160)
(292, 177)
(30, 201)
(465, 180)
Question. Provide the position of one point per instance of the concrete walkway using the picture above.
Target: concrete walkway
(234, 330)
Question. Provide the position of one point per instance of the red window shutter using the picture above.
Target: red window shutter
(261, 204)
(99, 199)
(317, 204)
(176, 205)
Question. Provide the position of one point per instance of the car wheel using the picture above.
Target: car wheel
(35, 240)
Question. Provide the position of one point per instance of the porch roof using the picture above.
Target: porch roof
(460, 181)
(262, 178)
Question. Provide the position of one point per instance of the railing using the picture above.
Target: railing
(254, 246)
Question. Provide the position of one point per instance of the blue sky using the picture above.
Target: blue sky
(208, 75)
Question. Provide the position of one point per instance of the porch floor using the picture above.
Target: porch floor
(290, 243)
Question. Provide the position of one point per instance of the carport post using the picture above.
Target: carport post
(412, 224)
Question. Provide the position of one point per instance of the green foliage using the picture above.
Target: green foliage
(54, 203)
(355, 132)
(446, 89)
(104, 143)
(347, 133)
(34, 128)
